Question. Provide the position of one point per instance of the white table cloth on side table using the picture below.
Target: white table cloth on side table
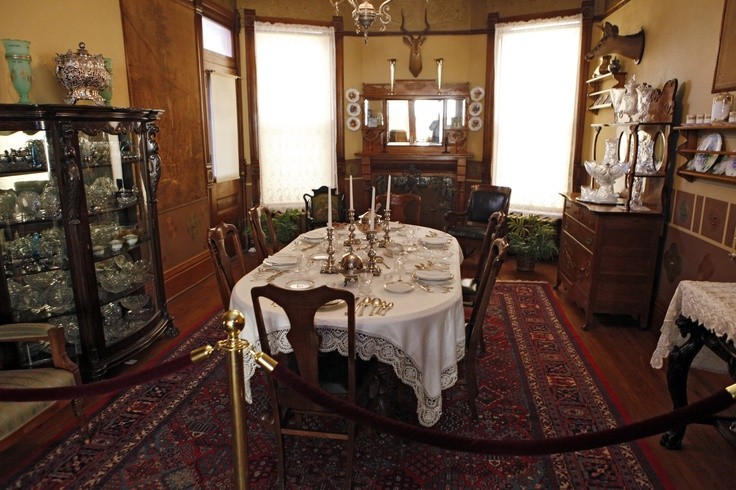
(422, 337)
(710, 303)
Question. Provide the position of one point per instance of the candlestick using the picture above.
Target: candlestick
(388, 195)
(351, 193)
(329, 266)
(372, 264)
(439, 74)
(351, 241)
(386, 227)
(392, 70)
(373, 208)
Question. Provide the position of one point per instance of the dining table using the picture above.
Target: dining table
(418, 329)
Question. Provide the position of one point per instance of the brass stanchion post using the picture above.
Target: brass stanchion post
(233, 322)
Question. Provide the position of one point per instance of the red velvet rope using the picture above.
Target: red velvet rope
(655, 425)
(96, 388)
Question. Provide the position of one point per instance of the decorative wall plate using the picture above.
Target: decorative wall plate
(475, 108)
(475, 123)
(353, 123)
(477, 93)
(353, 109)
(352, 95)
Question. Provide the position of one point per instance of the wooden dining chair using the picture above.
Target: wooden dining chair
(226, 251)
(260, 219)
(474, 326)
(405, 208)
(497, 228)
(345, 377)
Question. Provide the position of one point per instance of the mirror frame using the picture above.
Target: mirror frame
(375, 130)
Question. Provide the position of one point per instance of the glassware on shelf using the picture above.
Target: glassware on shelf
(605, 174)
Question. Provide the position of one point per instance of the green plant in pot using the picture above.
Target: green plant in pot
(530, 239)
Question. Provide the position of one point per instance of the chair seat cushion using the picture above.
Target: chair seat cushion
(13, 415)
(464, 231)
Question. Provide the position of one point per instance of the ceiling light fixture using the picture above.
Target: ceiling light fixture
(365, 14)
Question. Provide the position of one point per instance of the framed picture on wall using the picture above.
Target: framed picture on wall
(725, 75)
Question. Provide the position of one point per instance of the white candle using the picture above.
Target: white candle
(329, 208)
(373, 209)
(388, 195)
(351, 194)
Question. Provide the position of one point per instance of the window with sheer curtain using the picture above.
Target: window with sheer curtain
(296, 111)
(535, 96)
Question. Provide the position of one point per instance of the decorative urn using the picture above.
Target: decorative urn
(83, 75)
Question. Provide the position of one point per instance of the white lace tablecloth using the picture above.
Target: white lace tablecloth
(422, 337)
(712, 304)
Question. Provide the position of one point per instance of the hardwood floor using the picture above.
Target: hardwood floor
(621, 353)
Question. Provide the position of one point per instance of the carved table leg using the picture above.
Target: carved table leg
(678, 365)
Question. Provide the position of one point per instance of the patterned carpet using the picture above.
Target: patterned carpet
(536, 382)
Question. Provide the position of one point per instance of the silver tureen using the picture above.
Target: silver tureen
(83, 75)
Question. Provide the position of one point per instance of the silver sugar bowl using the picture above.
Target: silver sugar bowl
(84, 75)
(350, 265)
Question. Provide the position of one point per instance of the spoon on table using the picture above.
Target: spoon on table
(376, 303)
(363, 304)
(386, 308)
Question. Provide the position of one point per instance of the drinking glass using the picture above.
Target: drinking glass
(365, 284)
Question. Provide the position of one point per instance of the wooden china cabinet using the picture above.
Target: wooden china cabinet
(79, 243)
(609, 251)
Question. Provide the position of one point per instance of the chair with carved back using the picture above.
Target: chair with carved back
(474, 325)
(405, 208)
(315, 207)
(19, 418)
(346, 377)
(469, 224)
(497, 228)
(226, 251)
(260, 219)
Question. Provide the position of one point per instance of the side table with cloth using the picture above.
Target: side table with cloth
(422, 336)
(700, 314)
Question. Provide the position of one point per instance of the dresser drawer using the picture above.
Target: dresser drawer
(579, 232)
(575, 262)
(581, 214)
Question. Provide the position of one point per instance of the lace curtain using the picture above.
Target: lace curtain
(535, 102)
(296, 111)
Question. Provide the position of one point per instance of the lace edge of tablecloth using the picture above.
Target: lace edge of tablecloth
(429, 408)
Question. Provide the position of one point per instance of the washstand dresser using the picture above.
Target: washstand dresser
(609, 252)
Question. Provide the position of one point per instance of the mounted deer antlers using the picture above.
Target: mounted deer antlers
(414, 42)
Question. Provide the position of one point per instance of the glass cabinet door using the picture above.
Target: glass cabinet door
(113, 171)
(33, 248)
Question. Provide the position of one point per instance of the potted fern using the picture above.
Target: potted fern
(530, 239)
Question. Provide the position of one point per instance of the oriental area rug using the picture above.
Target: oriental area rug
(535, 382)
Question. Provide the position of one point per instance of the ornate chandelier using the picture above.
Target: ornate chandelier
(365, 14)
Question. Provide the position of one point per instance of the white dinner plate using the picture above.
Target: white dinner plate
(300, 284)
(285, 260)
(433, 275)
(398, 286)
(332, 304)
(435, 241)
(315, 236)
(395, 225)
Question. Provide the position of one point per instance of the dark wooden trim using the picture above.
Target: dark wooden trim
(612, 9)
(582, 98)
(187, 275)
(487, 156)
(337, 24)
(249, 20)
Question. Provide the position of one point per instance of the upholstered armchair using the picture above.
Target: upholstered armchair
(315, 206)
(469, 225)
(17, 419)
